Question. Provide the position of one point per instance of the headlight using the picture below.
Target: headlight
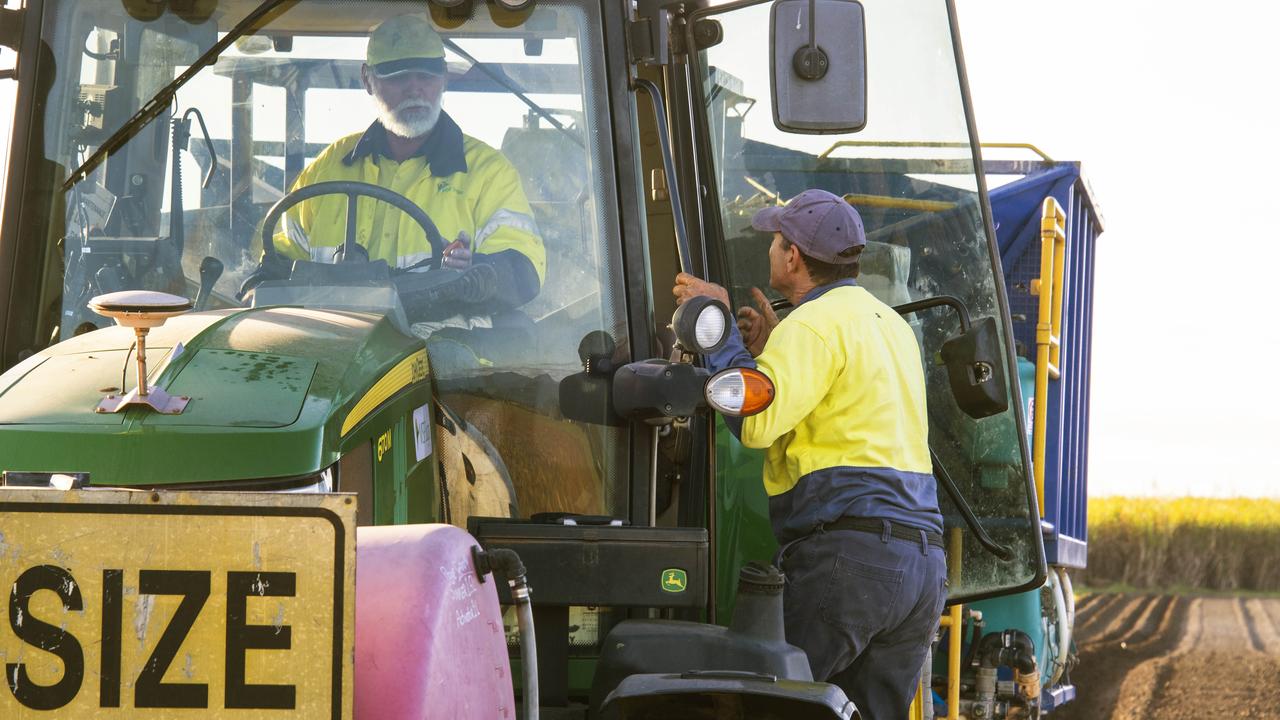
(739, 392)
(701, 325)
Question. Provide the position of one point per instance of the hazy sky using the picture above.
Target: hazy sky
(1171, 106)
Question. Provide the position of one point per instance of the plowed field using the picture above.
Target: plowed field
(1150, 657)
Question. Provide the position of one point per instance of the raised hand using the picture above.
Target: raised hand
(756, 325)
(688, 286)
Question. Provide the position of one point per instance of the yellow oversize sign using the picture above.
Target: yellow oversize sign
(123, 604)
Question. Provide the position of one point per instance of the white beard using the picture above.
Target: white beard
(408, 119)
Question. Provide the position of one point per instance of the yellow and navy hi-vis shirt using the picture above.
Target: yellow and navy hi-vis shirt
(847, 432)
(463, 185)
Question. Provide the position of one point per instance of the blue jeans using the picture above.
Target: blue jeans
(864, 608)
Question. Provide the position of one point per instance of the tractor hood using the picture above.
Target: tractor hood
(275, 392)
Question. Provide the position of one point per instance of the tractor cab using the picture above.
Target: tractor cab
(157, 148)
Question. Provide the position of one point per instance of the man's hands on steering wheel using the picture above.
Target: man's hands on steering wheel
(457, 254)
(275, 266)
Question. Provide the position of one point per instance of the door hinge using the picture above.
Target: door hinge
(11, 24)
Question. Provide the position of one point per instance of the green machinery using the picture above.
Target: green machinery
(151, 139)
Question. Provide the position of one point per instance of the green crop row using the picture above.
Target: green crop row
(1187, 542)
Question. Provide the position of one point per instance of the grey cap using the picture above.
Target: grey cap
(822, 225)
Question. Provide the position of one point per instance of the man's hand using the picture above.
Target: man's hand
(688, 286)
(756, 325)
(457, 254)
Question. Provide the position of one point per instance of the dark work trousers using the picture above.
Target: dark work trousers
(864, 608)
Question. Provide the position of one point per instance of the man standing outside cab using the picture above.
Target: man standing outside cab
(470, 190)
(852, 498)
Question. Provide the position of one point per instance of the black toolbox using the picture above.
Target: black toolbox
(609, 565)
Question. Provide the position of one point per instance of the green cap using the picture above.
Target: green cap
(405, 43)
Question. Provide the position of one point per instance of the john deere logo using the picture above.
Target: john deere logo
(674, 580)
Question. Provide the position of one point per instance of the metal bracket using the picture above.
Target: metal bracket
(11, 25)
(155, 398)
(645, 43)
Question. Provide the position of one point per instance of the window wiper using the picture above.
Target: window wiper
(1003, 552)
(514, 89)
(158, 102)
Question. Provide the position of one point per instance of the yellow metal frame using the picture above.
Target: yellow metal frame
(953, 619)
(885, 201)
(1050, 286)
(917, 144)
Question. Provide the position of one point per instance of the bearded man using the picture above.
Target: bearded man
(470, 190)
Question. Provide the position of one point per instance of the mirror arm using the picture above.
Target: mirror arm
(938, 301)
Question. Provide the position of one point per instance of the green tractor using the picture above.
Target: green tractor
(155, 148)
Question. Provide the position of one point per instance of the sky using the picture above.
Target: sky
(1171, 107)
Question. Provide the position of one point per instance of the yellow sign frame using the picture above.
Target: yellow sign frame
(202, 603)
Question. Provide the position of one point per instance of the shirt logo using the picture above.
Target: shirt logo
(445, 186)
(674, 580)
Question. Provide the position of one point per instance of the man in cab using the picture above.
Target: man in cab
(468, 189)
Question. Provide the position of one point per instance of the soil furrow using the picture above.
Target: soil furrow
(1153, 624)
(1100, 675)
(1086, 604)
(1124, 621)
(1100, 621)
(1264, 625)
(1271, 608)
(1245, 618)
(1087, 617)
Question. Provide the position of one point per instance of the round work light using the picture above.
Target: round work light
(701, 325)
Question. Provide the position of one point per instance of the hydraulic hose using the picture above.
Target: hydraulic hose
(1010, 647)
(509, 563)
(1013, 648)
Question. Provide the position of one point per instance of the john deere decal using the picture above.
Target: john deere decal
(674, 580)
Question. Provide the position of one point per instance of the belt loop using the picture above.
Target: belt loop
(924, 543)
(886, 531)
(780, 556)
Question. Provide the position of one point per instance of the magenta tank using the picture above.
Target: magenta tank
(429, 640)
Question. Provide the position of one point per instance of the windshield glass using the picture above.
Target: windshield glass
(516, 172)
(910, 174)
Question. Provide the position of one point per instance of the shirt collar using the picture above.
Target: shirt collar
(443, 149)
(821, 290)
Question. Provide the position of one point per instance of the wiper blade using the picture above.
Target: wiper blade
(265, 12)
(502, 79)
(1003, 552)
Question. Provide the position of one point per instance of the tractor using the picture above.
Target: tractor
(229, 495)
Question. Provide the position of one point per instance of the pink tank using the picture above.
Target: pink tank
(429, 640)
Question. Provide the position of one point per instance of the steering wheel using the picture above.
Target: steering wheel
(353, 189)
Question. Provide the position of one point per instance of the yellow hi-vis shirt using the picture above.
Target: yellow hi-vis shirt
(463, 185)
(847, 432)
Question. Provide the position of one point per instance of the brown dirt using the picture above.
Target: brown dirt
(1150, 657)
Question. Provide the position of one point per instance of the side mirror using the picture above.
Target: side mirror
(588, 396)
(819, 66)
(976, 370)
